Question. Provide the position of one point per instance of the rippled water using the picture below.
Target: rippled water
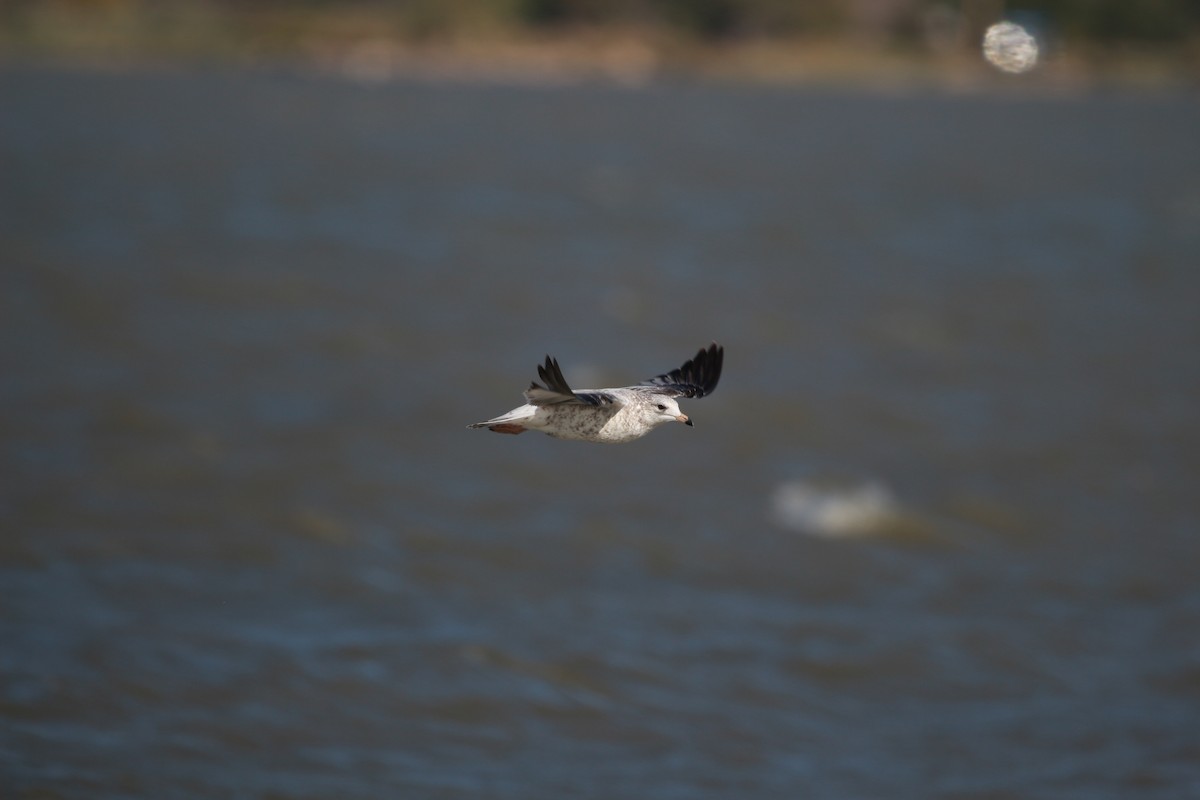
(935, 535)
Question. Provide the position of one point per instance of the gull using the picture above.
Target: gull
(610, 416)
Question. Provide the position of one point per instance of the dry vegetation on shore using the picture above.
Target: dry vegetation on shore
(872, 42)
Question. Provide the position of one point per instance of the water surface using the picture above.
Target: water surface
(250, 549)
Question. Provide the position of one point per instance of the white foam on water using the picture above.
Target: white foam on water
(834, 510)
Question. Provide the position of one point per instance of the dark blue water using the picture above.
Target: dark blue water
(935, 535)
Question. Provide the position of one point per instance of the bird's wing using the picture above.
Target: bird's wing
(695, 378)
(558, 392)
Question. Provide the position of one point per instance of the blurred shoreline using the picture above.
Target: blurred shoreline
(370, 44)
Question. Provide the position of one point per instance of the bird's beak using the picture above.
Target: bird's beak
(684, 419)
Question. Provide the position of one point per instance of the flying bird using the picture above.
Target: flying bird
(611, 416)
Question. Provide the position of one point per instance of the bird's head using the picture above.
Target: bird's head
(662, 409)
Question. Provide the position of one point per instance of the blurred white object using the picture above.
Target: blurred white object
(1009, 47)
(833, 510)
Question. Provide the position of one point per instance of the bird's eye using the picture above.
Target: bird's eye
(661, 407)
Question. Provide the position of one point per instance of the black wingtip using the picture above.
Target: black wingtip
(705, 368)
(552, 376)
(697, 377)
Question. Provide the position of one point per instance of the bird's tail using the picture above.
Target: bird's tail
(505, 422)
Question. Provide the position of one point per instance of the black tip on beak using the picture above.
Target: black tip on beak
(689, 424)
